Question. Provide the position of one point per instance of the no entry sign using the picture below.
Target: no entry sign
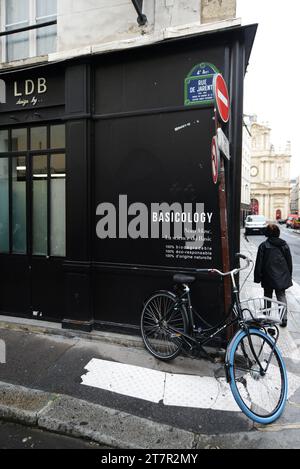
(215, 160)
(221, 98)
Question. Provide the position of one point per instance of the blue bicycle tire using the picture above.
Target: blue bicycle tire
(232, 348)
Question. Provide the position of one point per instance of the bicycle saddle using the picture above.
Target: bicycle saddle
(179, 278)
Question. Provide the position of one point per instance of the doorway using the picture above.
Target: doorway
(32, 220)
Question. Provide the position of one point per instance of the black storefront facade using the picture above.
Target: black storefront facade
(114, 129)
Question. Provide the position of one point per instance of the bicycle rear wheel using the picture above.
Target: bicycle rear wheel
(260, 394)
(162, 322)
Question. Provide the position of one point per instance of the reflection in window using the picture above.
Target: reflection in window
(3, 140)
(19, 139)
(38, 138)
(39, 203)
(4, 206)
(19, 205)
(58, 209)
(58, 136)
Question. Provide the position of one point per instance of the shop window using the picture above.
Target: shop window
(39, 204)
(58, 208)
(33, 181)
(4, 205)
(38, 138)
(17, 14)
(58, 136)
(3, 141)
(19, 140)
(19, 205)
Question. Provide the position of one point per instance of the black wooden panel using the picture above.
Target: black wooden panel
(77, 89)
(77, 191)
(150, 78)
(48, 298)
(150, 161)
(15, 285)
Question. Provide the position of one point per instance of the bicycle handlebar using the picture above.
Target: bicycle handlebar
(234, 271)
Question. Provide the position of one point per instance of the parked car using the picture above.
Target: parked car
(296, 223)
(255, 224)
(290, 219)
(282, 221)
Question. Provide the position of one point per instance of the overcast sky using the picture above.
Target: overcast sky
(272, 80)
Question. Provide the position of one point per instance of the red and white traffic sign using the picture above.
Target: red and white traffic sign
(221, 97)
(215, 160)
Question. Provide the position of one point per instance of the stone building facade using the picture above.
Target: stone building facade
(87, 27)
(270, 175)
(246, 166)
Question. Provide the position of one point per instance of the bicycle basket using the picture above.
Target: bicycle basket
(263, 310)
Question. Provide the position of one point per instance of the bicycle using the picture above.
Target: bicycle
(254, 366)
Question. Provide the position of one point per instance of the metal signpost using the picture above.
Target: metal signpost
(222, 113)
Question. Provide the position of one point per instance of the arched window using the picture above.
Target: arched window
(279, 172)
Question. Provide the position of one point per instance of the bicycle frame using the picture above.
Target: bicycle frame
(202, 339)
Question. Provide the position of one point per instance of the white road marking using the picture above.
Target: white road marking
(173, 389)
(133, 381)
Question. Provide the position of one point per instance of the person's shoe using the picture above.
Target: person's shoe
(283, 323)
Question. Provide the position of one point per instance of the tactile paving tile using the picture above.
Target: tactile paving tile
(129, 380)
(190, 391)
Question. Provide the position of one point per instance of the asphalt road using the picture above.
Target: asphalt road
(293, 240)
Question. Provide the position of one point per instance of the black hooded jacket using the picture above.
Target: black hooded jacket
(274, 265)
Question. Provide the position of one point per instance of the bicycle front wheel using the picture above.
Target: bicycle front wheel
(162, 322)
(258, 377)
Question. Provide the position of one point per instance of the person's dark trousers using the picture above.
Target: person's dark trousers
(280, 295)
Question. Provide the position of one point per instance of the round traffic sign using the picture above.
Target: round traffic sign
(215, 160)
(221, 97)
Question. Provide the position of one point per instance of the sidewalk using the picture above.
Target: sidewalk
(107, 388)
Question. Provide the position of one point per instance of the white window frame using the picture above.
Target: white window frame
(32, 20)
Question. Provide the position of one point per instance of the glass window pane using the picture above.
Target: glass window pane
(58, 136)
(39, 175)
(19, 204)
(58, 205)
(3, 140)
(17, 45)
(17, 11)
(4, 206)
(19, 139)
(46, 39)
(38, 137)
(46, 8)
(17, 16)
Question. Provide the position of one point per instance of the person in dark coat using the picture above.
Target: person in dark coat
(274, 266)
